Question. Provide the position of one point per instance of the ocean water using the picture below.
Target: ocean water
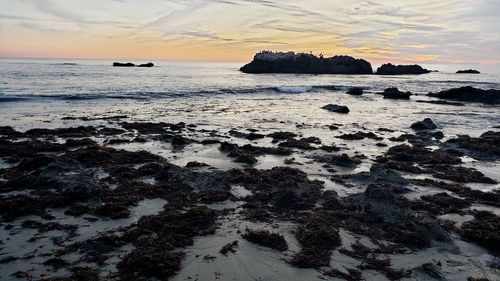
(216, 97)
(92, 79)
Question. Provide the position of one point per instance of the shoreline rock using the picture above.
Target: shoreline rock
(336, 108)
(290, 62)
(469, 94)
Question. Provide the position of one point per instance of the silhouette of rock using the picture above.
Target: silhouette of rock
(390, 69)
(469, 94)
(468, 71)
(290, 62)
(395, 93)
(121, 64)
(356, 91)
(425, 124)
(336, 108)
(149, 64)
(129, 64)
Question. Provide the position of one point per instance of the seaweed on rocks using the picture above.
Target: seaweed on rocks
(485, 147)
(379, 174)
(153, 128)
(420, 155)
(303, 144)
(440, 204)
(78, 273)
(276, 136)
(247, 153)
(285, 189)
(342, 160)
(459, 174)
(318, 239)
(491, 198)
(483, 230)
(351, 274)
(155, 238)
(144, 264)
(359, 136)
(384, 266)
(72, 132)
(229, 247)
(266, 238)
(415, 229)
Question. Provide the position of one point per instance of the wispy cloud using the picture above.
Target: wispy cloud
(411, 30)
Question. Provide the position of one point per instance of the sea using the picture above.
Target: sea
(216, 98)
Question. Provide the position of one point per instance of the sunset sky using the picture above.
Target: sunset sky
(425, 31)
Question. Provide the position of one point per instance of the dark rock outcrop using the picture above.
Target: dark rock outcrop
(390, 69)
(468, 71)
(356, 91)
(149, 64)
(486, 147)
(336, 108)
(290, 62)
(425, 124)
(129, 64)
(395, 94)
(122, 64)
(469, 94)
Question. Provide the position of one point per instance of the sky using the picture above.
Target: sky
(409, 31)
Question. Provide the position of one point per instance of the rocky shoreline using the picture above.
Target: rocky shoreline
(60, 185)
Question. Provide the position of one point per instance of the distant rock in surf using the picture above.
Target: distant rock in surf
(426, 124)
(120, 64)
(149, 64)
(336, 108)
(290, 62)
(469, 94)
(468, 71)
(129, 64)
(395, 94)
(356, 91)
(390, 69)
(441, 102)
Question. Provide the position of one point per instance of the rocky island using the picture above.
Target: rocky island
(391, 69)
(291, 62)
(129, 64)
(468, 71)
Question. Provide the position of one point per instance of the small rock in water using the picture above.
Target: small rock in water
(425, 124)
(395, 93)
(336, 108)
(356, 91)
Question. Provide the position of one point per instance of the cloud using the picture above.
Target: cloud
(427, 30)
